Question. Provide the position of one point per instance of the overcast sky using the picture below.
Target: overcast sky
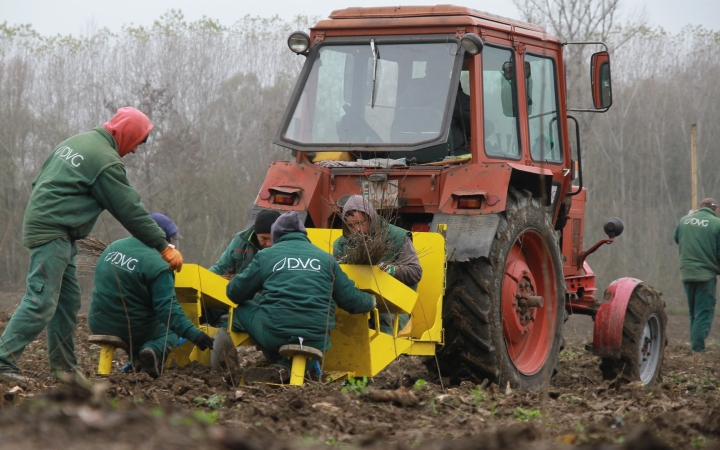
(75, 16)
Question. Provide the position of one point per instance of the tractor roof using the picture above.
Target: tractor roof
(419, 16)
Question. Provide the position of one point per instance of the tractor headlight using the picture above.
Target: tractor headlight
(471, 43)
(299, 42)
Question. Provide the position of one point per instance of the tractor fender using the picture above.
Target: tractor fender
(467, 237)
(607, 332)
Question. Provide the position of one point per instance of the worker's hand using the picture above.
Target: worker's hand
(388, 268)
(173, 257)
(203, 341)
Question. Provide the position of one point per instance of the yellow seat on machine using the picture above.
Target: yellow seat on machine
(107, 344)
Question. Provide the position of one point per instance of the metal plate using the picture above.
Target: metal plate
(224, 356)
(467, 236)
(382, 195)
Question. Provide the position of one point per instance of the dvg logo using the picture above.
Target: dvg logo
(68, 155)
(287, 263)
(124, 262)
(697, 222)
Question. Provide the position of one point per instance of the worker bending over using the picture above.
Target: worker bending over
(401, 260)
(238, 255)
(83, 176)
(300, 286)
(134, 299)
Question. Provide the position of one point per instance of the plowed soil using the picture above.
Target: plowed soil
(194, 407)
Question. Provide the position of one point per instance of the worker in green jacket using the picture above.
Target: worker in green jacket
(239, 254)
(401, 260)
(134, 299)
(83, 176)
(698, 236)
(300, 286)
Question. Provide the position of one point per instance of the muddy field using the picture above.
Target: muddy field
(193, 407)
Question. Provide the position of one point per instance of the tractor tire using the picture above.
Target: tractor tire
(643, 340)
(490, 331)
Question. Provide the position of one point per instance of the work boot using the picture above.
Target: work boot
(14, 377)
(269, 374)
(148, 362)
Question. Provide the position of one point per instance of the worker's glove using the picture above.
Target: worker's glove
(203, 341)
(173, 257)
(388, 268)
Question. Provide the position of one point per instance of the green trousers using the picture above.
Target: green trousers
(701, 302)
(52, 300)
(386, 322)
(251, 318)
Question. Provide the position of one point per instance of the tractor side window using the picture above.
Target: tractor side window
(540, 76)
(500, 103)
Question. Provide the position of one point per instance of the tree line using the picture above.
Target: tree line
(216, 94)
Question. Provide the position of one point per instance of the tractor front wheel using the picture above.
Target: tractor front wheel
(643, 340)
(503, 314)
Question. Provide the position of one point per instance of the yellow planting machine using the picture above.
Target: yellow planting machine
(356, 349)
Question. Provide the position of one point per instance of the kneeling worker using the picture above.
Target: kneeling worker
(134, 299)
(300, 286)
(238, 255)
(401, 260)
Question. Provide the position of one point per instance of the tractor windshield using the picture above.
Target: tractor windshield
(373, 93)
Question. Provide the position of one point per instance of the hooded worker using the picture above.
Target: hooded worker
(300, 285)
(83, 176)
(401, 260)
(238, 255)
(134, 299)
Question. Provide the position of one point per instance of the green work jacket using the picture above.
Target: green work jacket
(238, 255)
(131, 276)
(396, 237)
(297, 281)
(82, 177)
(698, 236)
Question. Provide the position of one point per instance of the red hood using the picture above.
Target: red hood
(129, 127)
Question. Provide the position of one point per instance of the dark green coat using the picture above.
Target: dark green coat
(398, 239)
(82, 177)
(297, 281)
(131, 275)
(699, 238)
(238, 255)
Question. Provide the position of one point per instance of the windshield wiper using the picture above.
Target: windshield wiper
(376, 56)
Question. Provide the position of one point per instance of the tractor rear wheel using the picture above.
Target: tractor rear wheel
(503, 314)
(643, 340)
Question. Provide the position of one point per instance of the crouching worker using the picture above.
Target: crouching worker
(361, 222)
(300, 286)
(238, 255)
(134, 299)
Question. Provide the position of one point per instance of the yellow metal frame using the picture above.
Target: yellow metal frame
(356, 349)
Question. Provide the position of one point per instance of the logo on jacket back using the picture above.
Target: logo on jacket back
(69, 156)
(697, 222)
(122, 261)
(287, 263)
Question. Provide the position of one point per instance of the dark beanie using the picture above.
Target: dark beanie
(264, 220)
(287, 223)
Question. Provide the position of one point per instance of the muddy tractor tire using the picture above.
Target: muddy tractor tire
(643, 340)
(503, 315)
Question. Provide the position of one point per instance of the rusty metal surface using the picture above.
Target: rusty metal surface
(425, 11)
(607, 334)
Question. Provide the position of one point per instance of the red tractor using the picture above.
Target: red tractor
(455, 121)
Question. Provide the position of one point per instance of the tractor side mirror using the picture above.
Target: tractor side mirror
(613, 227)
(600, 80)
